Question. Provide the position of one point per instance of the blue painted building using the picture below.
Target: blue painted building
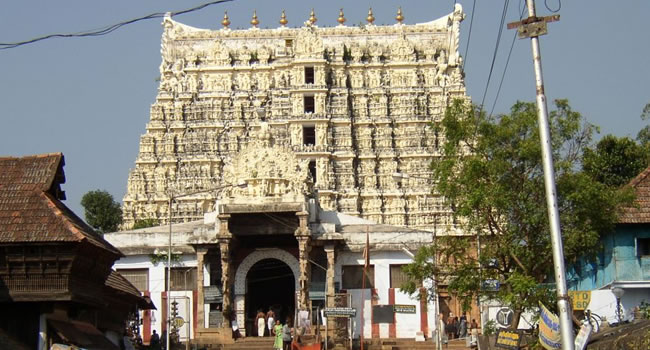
(624, 261)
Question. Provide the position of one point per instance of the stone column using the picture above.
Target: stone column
(329, 285)
(304, 248)
(225, 238)
(200, 315)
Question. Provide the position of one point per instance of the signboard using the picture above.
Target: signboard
(508, 339)
(339, 312)
(580, 299)
(404, 309)
(491, 285)
(549, 329)
(212, 294)
(383, 314)
(178, 322)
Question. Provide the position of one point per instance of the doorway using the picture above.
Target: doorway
(270, 284)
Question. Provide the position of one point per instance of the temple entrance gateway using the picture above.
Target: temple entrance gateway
(265, 277)
(270, 284)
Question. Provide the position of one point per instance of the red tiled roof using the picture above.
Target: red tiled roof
(640, 212)
(30, 209)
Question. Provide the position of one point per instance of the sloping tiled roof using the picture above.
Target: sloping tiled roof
(640, 212)
(118, 282)
(30, 209)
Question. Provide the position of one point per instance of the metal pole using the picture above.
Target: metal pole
(566, 327)
(169, 271)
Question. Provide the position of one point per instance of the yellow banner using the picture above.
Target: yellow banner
(549, 329)
(580, 299)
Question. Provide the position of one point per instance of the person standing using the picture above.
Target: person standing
(277, 333)
(154, 342)
(286, 336)
(462, 327)
(473, 331)
(270, 320)
(261, 323)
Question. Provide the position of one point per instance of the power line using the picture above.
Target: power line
(505, 69)
(469, 35)
(559, 6)
(108, 29)
(496, 49)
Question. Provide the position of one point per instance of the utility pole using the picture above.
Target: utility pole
(532, 27)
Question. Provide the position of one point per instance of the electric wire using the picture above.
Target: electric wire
(559, 6)
(496, 50)
(505, 69)
(469, 34)
(108, 29)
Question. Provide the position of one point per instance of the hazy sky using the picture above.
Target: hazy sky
(89, 97)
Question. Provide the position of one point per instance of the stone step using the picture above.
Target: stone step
(251, 343)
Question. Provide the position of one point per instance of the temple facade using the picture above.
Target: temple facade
(270, 161)
(356, 103)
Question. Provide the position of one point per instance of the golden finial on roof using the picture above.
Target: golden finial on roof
(254, 21)
(312, 17)
(370, 17)
(225, 22)
(341, 18)
(399, 16)
(283, 19)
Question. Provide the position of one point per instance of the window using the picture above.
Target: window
(308, 135)
(642, 246)
(288, 42)
(312, 169)
(352, 277)
(183, 278)
(309, 75)
(309, 104)
(138, 277)
(397, 276)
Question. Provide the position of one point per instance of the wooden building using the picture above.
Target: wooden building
(56, 282)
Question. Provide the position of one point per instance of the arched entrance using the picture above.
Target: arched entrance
(262, 277)
(270, 284)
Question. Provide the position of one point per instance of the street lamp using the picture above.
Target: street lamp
(399, 177)
(618, 293)
(169, 248)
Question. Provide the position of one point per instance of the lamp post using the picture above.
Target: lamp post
(400, 177)
(169, 247)
(618, 293)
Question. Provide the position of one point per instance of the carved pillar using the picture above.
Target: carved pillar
(200, 316)
(225, 239)
(304, 248)
(329, 285)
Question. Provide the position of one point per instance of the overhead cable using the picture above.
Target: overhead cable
(496, 49)
(505, 69)
(107, 29)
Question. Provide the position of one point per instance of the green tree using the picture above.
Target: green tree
(102, 212)
(490, 173)
(145, 223)
(615, 161)
(643, 136)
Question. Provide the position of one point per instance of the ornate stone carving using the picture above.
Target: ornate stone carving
(375, 89)
(308, 44)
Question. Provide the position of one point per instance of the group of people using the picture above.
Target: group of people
(268, 325)
(456, 328)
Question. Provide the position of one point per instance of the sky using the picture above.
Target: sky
(89, 98)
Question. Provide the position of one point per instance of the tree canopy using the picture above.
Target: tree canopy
(615, 160)
(144, 223)
(490, 173)
(102, 212)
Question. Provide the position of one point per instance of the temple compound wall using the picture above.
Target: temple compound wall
(357, 103)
